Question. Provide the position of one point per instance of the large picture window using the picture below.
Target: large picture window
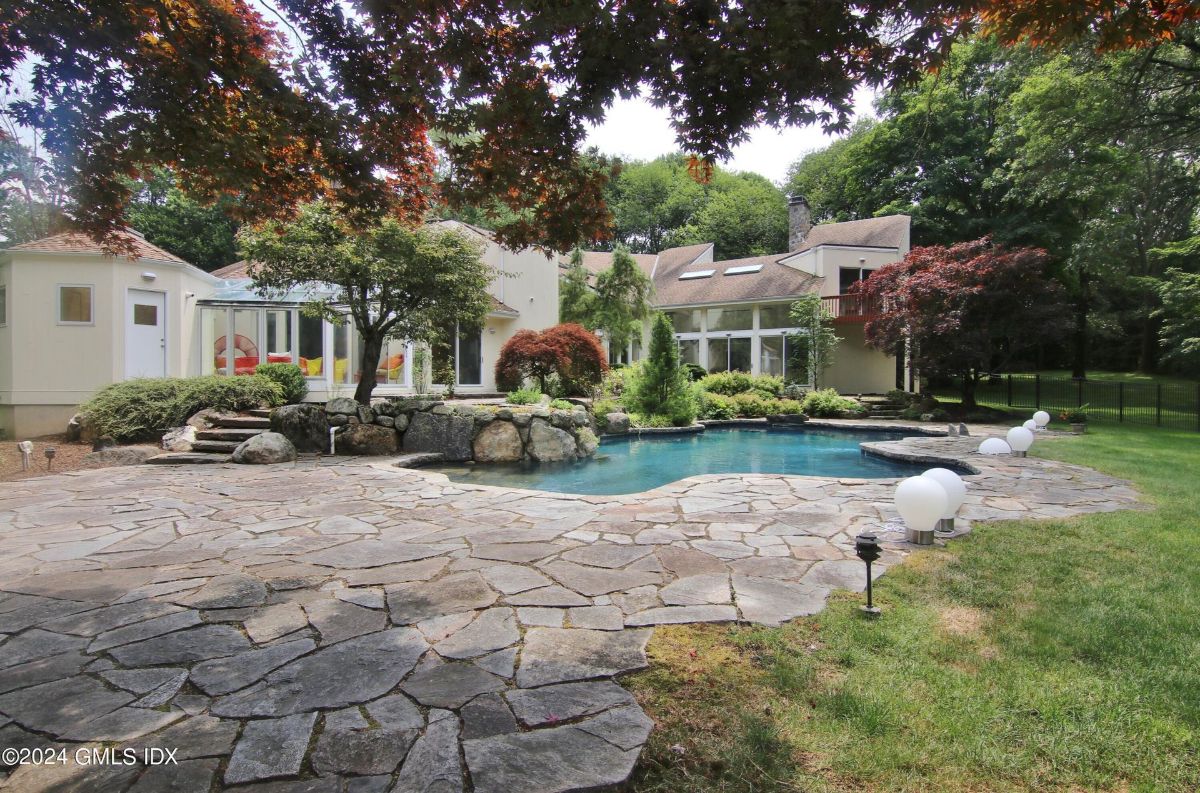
(729, 355)
(75, 305)
(784, 356)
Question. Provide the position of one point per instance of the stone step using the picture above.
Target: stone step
(227, 434)
(262, 413)
(219, 447)
(188, 458)
(244, 423)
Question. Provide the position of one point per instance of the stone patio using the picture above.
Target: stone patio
(343, 625)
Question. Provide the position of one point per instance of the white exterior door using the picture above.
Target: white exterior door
(145, 334)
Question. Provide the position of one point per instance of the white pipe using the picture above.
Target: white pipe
(332, 431)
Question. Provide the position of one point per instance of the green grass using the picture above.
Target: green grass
(1031, 655)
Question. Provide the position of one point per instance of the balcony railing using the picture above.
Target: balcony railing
(851, 308)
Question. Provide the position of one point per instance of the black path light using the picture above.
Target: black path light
(49, 457)
(867, 547)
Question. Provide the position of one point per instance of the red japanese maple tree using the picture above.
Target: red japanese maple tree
(964, 310)
(567, 351)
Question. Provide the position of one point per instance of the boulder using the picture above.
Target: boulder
(440, 432)
(339, 420)
(179, 439)
(367, 439)
(549, 444)
(561, 419)
(587, 442)
(385, 421)
(306, 425)
(401, 422)
(264, 449)
(618, 423)
(342, 406)
(366, 415)
(498, 442)
(121, 455)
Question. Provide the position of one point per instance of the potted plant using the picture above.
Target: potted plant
(1077, 418)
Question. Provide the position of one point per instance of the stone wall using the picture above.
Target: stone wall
(483, 433)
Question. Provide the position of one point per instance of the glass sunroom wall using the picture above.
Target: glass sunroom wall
(311, 346)
(279, 336)
(718, 355)
(394, 363)
(771, 355)
(214, 326)
(243, 345)
(689, 351)
(345, 367)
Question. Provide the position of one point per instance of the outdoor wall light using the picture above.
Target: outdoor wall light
(1030, 425)
(994, 446)
(921, 502)
(1020, 439)
(867, 547)
(956, 493)
(149, 276)
(1041, 419)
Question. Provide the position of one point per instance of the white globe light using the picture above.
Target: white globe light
(1020, 439)
(994, 446)
(955, 487)
(1041, 418)
(921, 502)
(1030, 425)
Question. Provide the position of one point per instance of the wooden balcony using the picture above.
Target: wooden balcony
(850, 308)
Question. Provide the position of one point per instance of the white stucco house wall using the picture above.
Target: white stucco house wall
(733, 314)
(73, 319)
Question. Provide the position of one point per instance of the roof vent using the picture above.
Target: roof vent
(696, 274)
(743, 269)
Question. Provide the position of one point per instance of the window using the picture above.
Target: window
(279, 336)
(689, 351)
(312, 345)
(344, 367)
(770, 357)
(75, 305)
(213, 327)
(850, 276)
(243, 345)
(461, 355)
(687, 321)
(393, 363)
(784, 356)
(730, 319)
(145, 315)
(777, 315)
(729, 355)
(3, 305)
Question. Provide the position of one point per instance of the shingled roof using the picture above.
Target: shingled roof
(713, 283)
(75, 242)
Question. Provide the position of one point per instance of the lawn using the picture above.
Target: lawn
(1032, 655)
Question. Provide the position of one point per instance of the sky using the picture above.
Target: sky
(634, 129)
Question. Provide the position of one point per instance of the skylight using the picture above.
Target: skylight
(696, 274)
(742, 269)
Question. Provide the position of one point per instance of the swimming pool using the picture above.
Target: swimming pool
(631, 464)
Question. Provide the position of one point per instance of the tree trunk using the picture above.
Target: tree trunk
(368, 362)
(1079, 362)
(968, 391)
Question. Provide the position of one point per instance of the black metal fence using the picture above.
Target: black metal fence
(1157, 404)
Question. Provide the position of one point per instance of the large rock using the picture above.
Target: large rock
(498, 442)
(264, 449)
(440, 432)
(367, 439)
(121, 455)
(206, 419)
(587, 442)
(549, 444)
(305, 425)
(342, 406)
(618, 423)
(179, 439)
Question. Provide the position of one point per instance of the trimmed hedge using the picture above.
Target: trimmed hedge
(289, 377)
(138, 410)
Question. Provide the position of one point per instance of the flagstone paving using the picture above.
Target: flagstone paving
(345, 625)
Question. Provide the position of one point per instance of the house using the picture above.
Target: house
(733, 314)
(73, 319)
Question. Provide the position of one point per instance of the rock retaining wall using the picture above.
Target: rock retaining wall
(482, 433)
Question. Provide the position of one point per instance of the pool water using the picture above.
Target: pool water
(632, 465)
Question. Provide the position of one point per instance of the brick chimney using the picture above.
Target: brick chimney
(799, 221)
